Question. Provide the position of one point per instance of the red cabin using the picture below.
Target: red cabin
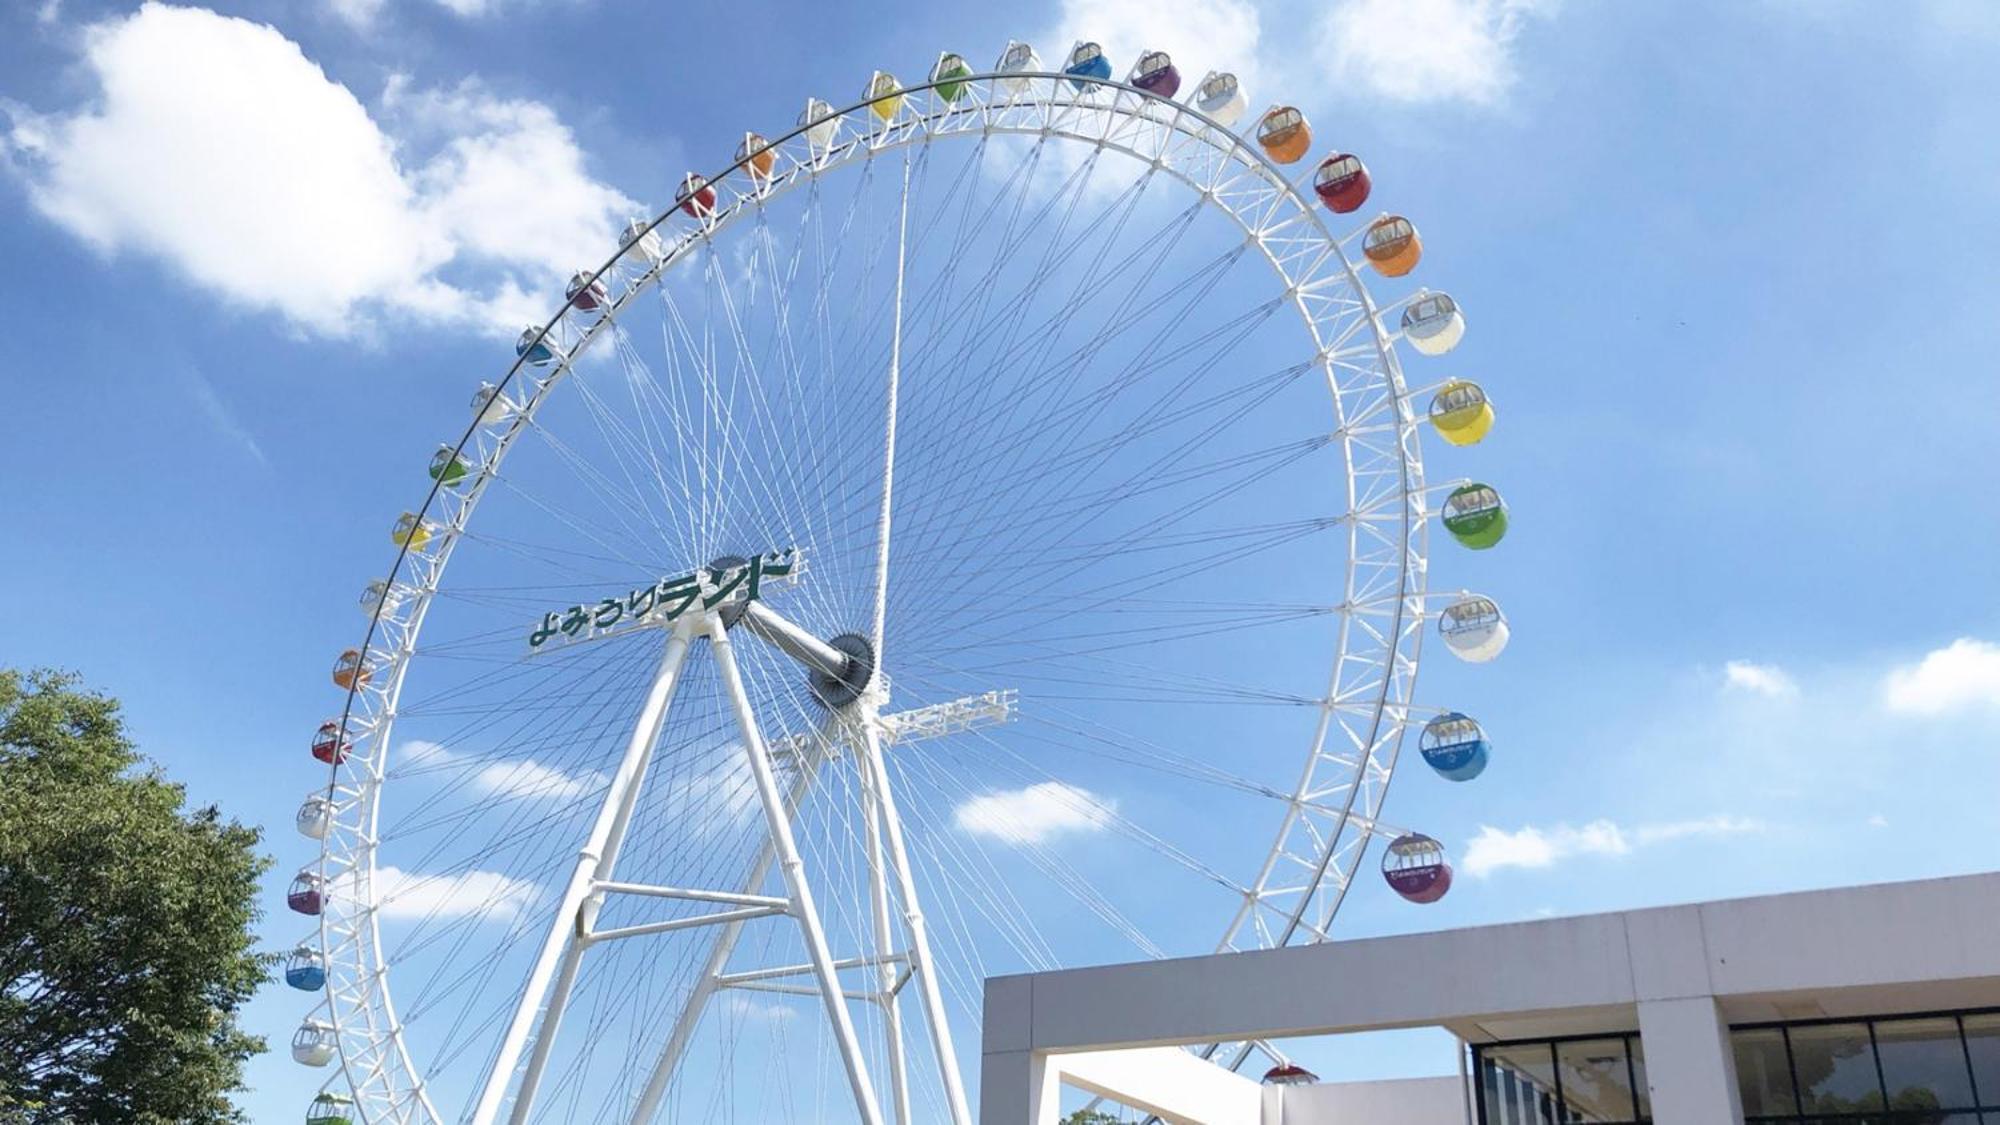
(696, 197)
(1415, 867)
(586, 292)
(1342, 183)
(1289, 1074)
(307, 893)
(330, 745)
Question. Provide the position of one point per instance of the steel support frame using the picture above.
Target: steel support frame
(537, 1018)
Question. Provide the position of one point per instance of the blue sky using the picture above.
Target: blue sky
(1727, 267)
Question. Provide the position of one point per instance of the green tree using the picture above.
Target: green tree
(125, 944)
(1089, 1117)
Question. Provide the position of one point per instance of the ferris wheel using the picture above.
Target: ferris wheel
(978, 528)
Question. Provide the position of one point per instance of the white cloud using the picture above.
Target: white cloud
(49, 12)
(1494, 849)
(1960, 676)
(1034, 814)
(506, 779)
(1201, 35)
(1877, 820)
(488, 894)
(219, 148)
(356, 13)
(1648, 834)
(222, 418)
(1759, 679)
(1419, 51)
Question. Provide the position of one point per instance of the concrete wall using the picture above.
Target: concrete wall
(1408, 1101)
(1678, 974)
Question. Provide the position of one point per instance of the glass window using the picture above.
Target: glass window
(1639, 1078)
(1835, 1068)
(1519, 1084)
(1763, 1073)
(1923, 1066)
(1596, 1086)
(1982, 1042)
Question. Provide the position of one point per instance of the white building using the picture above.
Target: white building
(1795, 1008)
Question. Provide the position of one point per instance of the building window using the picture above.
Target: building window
(1581, 1080)
(1942, 1068)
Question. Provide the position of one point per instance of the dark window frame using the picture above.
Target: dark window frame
(1561, 1107)
(1983, 1108)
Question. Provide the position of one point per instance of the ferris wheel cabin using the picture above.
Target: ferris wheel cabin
(1221, 97)
(315, 1043)
(1392, 246)
(1414, 867)
(1433, 323)
(1475, 515)
(1284, 134)
(586, 293)
(1460, 412)
(307, 894)
(331, 1109)
(695, 197)
(820, 124)
(1086, 61)
(305, 969)
(534, 348)
(1454, 745)
(1157, 75)
(1473, 628)
(1018, 58)
(950, 74)
(1342, 183)
(885, 94)
(330, 744)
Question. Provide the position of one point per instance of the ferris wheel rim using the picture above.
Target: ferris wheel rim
(904, 130)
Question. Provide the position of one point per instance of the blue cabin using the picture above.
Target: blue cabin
(1086, 60)
(305, 969)
(1455, 746)
(534, 348)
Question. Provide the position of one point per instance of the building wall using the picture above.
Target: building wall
(1408, 1101)
(1680, 975)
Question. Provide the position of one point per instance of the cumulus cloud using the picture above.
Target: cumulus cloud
(1034, 814)
(217, 147)
(1422, 51)
(1494, 849)
(1758, 679)
(516, 779)
(487, 894)
(1961, 676)
(1201, 35)
(356, 13)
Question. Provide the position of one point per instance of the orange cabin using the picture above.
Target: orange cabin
(352, 671)
(1392, 246)
(755, 154)
(1284, 134)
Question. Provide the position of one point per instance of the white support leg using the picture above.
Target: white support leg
(885, 948)
(592, 866)
(793, 869)
(711, 972)
(922, 972)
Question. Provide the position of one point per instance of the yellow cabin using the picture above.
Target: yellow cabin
(1461, 413)
(885, 95)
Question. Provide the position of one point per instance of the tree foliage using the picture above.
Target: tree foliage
(125, 944)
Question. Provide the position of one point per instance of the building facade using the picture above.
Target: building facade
(1877, 1004)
